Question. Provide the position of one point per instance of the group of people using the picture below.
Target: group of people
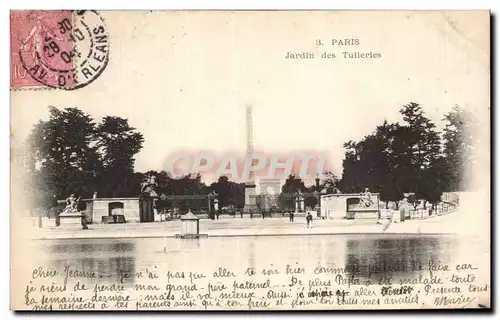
(309, 218)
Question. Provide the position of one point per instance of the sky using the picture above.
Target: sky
(184, 79)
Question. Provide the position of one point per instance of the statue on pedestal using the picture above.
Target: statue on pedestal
(71, 211)
(213, 205)
(299, 202)
(71, 204)
(366, 199)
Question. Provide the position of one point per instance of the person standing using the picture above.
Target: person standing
(309, 219)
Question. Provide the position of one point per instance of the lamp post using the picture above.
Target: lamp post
(318, 203)
(317, 193)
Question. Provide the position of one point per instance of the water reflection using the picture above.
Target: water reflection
(110, 269)
(88, 246)
(110, 257)
(400, 255)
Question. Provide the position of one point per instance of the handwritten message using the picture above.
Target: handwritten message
(414, 285)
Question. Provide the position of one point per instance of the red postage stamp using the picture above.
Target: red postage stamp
(60, 49)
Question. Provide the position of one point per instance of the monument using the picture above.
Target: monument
(250, 195)
(71, 211)
(299, 202)
(351, 205)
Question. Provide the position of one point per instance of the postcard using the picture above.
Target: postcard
(250, 160)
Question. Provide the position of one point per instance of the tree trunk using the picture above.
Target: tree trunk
(397, 205)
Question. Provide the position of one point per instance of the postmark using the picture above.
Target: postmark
(57, 49)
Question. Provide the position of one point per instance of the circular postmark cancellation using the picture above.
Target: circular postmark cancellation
(67, 51)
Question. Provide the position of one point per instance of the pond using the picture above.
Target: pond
(355, 253)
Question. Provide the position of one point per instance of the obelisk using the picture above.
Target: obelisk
(250, 196)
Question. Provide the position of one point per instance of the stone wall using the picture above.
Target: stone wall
(334, 206)
(101, 207)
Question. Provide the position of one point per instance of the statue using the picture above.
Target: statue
(152, 180)
(71, 210)
(148, 185)
(366, 199)
(144, 184)
(299, 202)
(71, 204)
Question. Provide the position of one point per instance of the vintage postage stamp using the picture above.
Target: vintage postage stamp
(57, 49)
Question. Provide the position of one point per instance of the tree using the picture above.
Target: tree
(393, 188)
(399, 168)
(368, 163)
(423, 139)
(292, 185)
(190, 187)
(423, 145)
(433, 182)
(229, 193)
(328, 183)
(413, 200)
(395, 158)
(310, 200)
(117, 143)
(223, 189)
(70, 153)
(459, 142)
(62, 149)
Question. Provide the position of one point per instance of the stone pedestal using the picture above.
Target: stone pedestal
(76, 219)
(250, 198)
(299, 204)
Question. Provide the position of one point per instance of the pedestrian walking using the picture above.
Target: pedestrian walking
(309, 219)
